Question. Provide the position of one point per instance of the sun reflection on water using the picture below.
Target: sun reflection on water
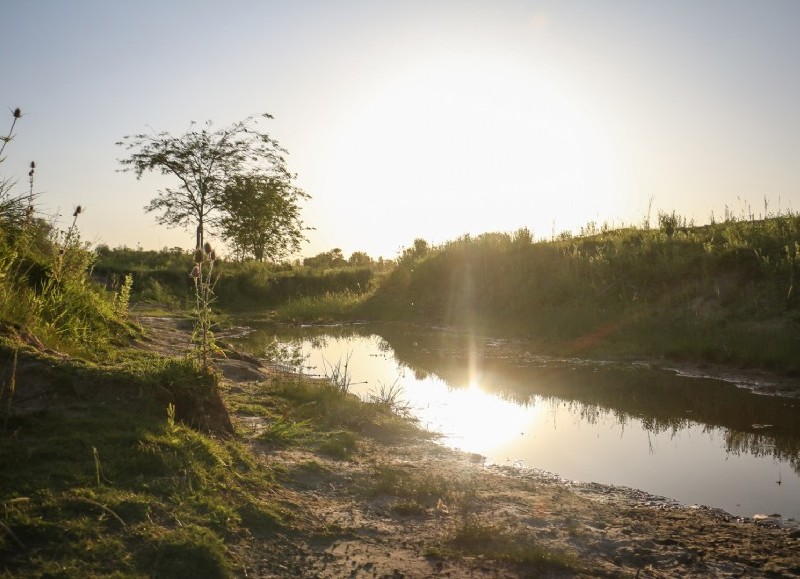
(634, 436)
(472, 419)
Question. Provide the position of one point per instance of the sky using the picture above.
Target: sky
(416, 119)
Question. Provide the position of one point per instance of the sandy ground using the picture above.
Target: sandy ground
(345, 528)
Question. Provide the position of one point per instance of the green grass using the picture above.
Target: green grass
(329, 307)
(284, 430)
(711, 293)
(420, 491)
(475, 537)
(109, 485)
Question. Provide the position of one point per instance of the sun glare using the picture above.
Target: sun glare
(474, 420)
(478, 142)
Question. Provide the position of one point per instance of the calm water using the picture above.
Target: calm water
(699, 441)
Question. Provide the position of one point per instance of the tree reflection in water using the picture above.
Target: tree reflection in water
(660, 400)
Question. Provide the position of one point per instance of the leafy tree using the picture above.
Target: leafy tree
(332, 258)
(359, 258)
(204, 162)
(418, 251)
(261, 217)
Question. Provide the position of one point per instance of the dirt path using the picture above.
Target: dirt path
(349, 525)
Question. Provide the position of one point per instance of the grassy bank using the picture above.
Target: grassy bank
(122, 470)
(722, 293)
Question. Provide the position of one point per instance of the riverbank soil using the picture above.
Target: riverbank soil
(498, 523)
(407, 507)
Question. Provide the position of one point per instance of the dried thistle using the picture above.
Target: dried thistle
(78, 211)
(198, 255)
(17, 113)
(195, 272)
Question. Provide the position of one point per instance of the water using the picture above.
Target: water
(696, 440)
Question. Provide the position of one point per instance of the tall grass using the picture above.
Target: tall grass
(45, 285)
(159, 276)
(718, 292)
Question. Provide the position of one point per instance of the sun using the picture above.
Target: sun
(469, 144)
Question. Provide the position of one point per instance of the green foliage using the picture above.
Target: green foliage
(705, 293)
(285, 430)
(46, 293)
(190, 551)
(475, 537)
(261, 217)
(360, 259)
(388, 396)
(13, 207)
(115, 489)
(326, 259)
(161, 276)
(428, 490)
(332, 410)
(205, 162)
(123, 296)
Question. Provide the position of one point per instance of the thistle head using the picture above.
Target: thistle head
(195, 271)
(198, 255)
(78, 211)
(17, 113)
(33, 165)
(209, 251)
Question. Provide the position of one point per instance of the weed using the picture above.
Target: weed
(338, 374)
(123, 297)
(284, 430)
(340, 444)
(171, 418)
(204, 282)
(476, 537)
(423, 488)
(388, 398)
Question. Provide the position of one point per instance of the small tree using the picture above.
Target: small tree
(332, 258)
(261, 217)
(360, 258)
(203, 161)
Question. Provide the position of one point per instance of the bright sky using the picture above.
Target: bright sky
(416, 118)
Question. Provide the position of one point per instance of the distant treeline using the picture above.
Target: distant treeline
(726, 292)
(163, 276)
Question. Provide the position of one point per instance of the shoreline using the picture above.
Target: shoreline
(347, 524)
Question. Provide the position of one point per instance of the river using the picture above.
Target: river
(696, 440)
